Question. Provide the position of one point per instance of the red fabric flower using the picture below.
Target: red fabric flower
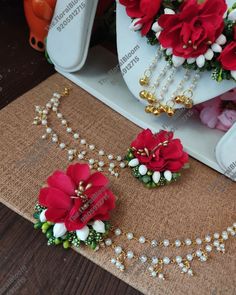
(190, 32)
(64, 205)
(145, 9)
(227, 57)
(159, 152)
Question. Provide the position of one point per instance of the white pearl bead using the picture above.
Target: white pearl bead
(225, 235)
(122, 267)
(154, 243)
(208, 248)
(199, 253)
(91, 147)
(44, 122)
(110, 157)
(70, 152)
(101, 163)
(216, 235)
(177, 243)
(112, 165)
(80, 156)
(153, 274)
(83, 141)
(184, 269)
(118, 264)
(122, 165)
(68, 130)
(48, 105)
(198, 241)
(161, 276)
(166, 260)
(54, 109)
(130, 254)
(208, 238)
(142, 240)
(143, 258)
(76, 135)
(49, 130)
(178, 259)
(63, 122)
(189, 257)
(119, 158)
(166, 243)
(190, 272)
(101, 153)
(117, 232)
(54, 139)
(44, 136)
(91, 161)
(118, 250)
(130, 236)
(216, 243)
(113, 261)
(108, 242)
(62, 145)
(154, 260)
(188, 242)
(59, 115)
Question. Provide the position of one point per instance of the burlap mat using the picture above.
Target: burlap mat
(203, 201)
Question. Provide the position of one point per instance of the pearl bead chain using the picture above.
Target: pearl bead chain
(156, 265)
(103, 162)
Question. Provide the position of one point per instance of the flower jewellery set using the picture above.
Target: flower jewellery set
(197, 35)
(74, 208)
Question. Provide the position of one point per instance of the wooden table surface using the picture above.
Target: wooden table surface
(27, 264)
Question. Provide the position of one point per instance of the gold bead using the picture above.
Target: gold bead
(143, 94)
(156, 112)
(188, 103)
(170, 112)
(151, 97)
(162, 109)
(144, 81)
(149, 109)
(180, 99)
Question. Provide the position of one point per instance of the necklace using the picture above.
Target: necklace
(201, 249)
(103, 161)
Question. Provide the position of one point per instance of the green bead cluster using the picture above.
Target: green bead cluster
(38, 208)
(147, 179)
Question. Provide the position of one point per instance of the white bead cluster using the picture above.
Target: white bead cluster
(157, 264)
(105, 161)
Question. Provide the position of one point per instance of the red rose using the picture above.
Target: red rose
(159, 152)
(227, 57)
(190, 32)
(68, 194)
(146, 10)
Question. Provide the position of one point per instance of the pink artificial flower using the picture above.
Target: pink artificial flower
(220, 112)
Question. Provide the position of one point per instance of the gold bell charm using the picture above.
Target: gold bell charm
(151, 97)
(143, 94)
(170, 112)
(188, 103)
(180, 99)
(149, 109)
(156, 112)
(144, 81)
(162, 109)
